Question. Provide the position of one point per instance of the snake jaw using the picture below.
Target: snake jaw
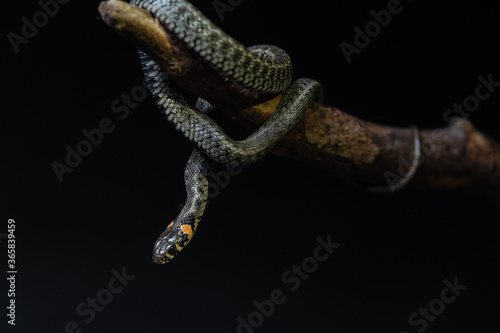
(264, 69)
(169, 244)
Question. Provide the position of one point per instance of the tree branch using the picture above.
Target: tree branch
(370, 154)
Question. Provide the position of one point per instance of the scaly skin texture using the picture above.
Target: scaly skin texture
(206, 133)
(262, 68)
(219, 49)
(181, 230)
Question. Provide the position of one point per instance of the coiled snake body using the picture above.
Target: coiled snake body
(262, 68)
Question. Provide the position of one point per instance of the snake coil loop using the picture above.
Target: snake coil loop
(263, 68)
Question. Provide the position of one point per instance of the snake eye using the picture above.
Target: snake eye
(172, 241)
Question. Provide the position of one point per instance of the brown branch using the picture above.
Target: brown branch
(364, 152)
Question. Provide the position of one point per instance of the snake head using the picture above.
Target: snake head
(171, 242)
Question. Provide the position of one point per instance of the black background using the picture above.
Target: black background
(396, 249)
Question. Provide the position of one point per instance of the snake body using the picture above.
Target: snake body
(262, 68)
(220, 50)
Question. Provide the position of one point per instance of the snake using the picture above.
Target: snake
(262, 68)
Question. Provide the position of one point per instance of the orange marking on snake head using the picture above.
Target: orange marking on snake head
(168, 226)
(185, 228)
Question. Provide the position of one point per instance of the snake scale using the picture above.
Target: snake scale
(262, 68)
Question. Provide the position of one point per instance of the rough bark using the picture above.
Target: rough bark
(370, 154)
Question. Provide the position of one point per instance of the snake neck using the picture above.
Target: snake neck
(196, 180)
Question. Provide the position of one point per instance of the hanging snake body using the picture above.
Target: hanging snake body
(262, 68)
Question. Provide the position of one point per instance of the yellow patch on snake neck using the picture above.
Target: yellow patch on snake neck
(168, 226)
(187, 230)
